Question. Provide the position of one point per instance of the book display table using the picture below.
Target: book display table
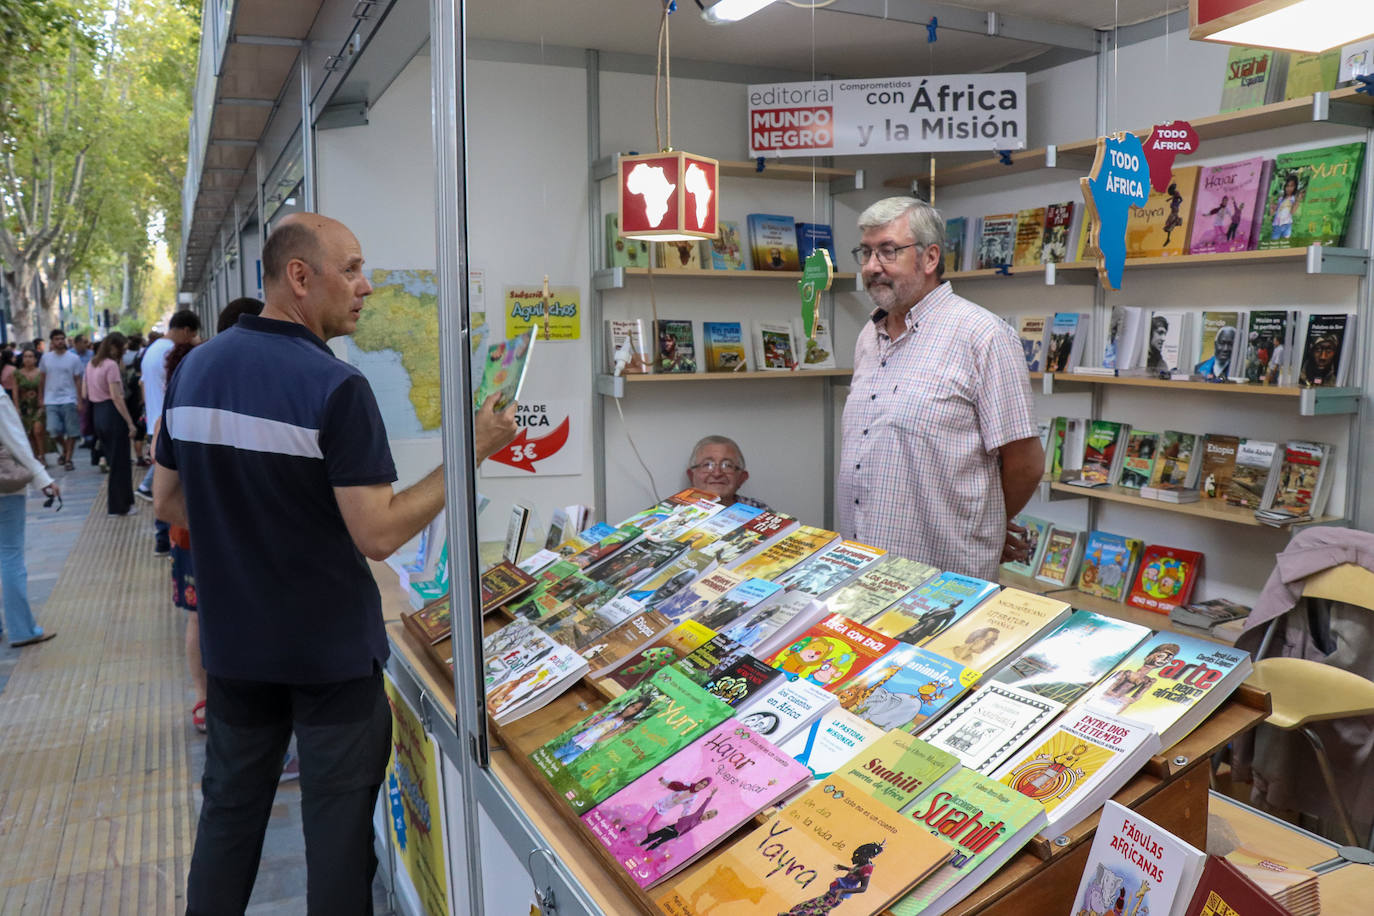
(1171, 790)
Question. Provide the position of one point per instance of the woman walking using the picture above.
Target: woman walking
(28, 387)
(113, 425)
(20, 628)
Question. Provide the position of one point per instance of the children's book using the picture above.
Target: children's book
(832, 652)
(503, 372)
(1256, 460)
(667, 818)
(811, 236)
(1138, 463)
(1357, 59)
(1166, 578)
(625, 339)
(956, 230)
(1030, 237)
(1325, 352)
(1225, 211)
(998, 628)
(668, 648)
(1269, 347)
(1074, 656)
(676, 346)
(1082, 760)
(818, 350)
(774, 346)
(772, 623)
(1137, 862)
(986, 822)
(996, 241)
(991, 725)
(1068, 336)
(1109, 562)
(879, 588)
(780, 556)
(724, 343)
(789, 705)
(1219, 347)
(826, 571)
(1249, 80)
(1223, 889)
(831, 742)
(1036, 529)
(1309, 196)
(1175, 462)
(773, 242)
(727, 251)
(678, 255)
(837, 842)
(906, 688)
(931, 608)
(1166, 349)
(503, 583)
(734, 604)
(1032, 333)
(1171, 682)
(1058, 222)
(623, 252)
(1059, 561)
(627, 737)
(751, 537)
(1303, 481)
(1311, 73)
(1160, 228)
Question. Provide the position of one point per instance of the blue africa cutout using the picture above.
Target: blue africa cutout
(1122, 181)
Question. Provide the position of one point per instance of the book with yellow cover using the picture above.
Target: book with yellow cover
(1160, 228)
(999, 626)
(791, 550)
(1030, 237)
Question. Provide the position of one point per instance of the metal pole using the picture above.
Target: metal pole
(307, 134)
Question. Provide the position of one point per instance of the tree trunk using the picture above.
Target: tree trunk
(19, 286)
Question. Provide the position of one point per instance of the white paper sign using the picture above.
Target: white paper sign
(903, 114)
(549, 442)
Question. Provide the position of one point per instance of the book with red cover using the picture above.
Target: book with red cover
(1224, 891)
(1165, 579)
(832, 652)
(503, 583)
(431, 623)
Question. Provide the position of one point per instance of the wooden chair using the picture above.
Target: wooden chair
(1304, 692)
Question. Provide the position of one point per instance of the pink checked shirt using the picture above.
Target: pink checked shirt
(925, 417)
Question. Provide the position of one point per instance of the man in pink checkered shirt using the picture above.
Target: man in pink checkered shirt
(940, 445)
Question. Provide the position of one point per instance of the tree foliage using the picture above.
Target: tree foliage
(95, 97)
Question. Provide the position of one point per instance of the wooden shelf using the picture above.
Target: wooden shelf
(1310, 402)
(1316, 259)
(777, 171)
(1341, 107)
(1203, 508)
(615, 277)
(614, 386)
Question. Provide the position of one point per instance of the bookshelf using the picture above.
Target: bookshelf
(616, 277)
(1203, 508)
(614, 386)
(1310, 402)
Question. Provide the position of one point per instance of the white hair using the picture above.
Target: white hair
(716, 440)
(925, 222)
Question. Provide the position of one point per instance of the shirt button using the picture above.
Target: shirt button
(865, 432)
(884, 363)
(856, 502)
(873, 397)
(856, 467)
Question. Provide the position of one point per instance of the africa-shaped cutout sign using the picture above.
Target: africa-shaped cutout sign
(669, 196)
(1119, 179)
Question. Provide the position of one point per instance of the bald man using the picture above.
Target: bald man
(272, 451)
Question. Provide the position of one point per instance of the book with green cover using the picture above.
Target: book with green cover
(985, 822)
(627, 737)
(623, 252)
(897, 768)
(503, 371)
(1309, 197)
(1311, 73)
(1249, 76)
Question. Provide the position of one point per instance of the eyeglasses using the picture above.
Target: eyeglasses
(710, 465)
(886, 253)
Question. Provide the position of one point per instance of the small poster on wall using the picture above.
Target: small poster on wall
(415, 803)
(525, 307)
(548, 444)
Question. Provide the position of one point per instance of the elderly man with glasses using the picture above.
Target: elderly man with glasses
(940, 445)
(717, 466)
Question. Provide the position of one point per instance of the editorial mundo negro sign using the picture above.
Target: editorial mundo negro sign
(904, 114)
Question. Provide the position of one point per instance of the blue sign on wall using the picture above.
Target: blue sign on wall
(1120, 179)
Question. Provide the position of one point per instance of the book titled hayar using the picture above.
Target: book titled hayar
(1226, 202)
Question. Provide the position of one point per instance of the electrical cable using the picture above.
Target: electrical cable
(634, 448)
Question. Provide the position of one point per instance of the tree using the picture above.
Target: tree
(95, 97)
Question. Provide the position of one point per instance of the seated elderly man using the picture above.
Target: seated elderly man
(717, 466)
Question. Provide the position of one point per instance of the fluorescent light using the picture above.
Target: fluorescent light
(733, 10)
(1308, 26)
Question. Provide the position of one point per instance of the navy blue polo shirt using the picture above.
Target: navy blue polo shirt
(261, 423)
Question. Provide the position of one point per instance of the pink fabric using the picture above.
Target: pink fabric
(1311, 551)
(99, 378)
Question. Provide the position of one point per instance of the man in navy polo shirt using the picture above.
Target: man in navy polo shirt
(273, 453)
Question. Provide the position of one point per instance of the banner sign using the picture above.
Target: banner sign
(548, 441)
(904, 114)
(416, 804)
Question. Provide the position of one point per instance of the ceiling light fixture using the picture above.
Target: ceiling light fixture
(1306, 26)
(733, 10)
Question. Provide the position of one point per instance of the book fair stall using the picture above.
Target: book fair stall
(617, 693)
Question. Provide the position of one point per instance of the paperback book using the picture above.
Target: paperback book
(991, 725)
(625, 340)
(1250, 79)
(1036, 529)
(1255, 461)
(734, 604)
(668, 648)
(931, 608)
(1303, 481)
(1223, 890)
(503, 372)
(818, 350)
(1309, 197)
(906, 688)
(691, 600)
(1060, 559)
(831, 742)
(774, 622)
(956, 230)
(1066, 663)
(1030, 237)
(788, 706)
(1218, 358)
(677, 349)
(827, 572)
(727, 252)
(724, 342)
(898, 768)
(1166, 350)
(879, 588)
(773, 242)
(1032, 331)
(812, 237)
(750, 538)
(1160, 228)
(1058, 222)
(728, 520)
(503, 583)
(1101, 450)
(678, 255)
(1109, 562)
(1138, 464)
(1311, 73)
(996, 241)
(624, 640)
(998, 628)
(1166, 578)
(832, 652)
(1068, 336)
(1269, 347)
(783, 555)
(1137, 862)
(1225, 212)
(1325, 360)
(667, 818)
(774, 346)
(1175, 462)
(525, 670)
(623, 252)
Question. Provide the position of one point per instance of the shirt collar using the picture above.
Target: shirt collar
(918, 311)
(284, 328)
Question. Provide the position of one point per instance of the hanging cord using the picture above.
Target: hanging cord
(653, 486)
(663, 71)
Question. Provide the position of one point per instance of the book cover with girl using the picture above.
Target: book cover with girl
(1225, 210)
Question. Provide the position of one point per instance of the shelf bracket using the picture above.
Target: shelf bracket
(1350, 114)
(847, 184)
(604, 168)
(1070, 278)
(1350, 262)
(612, 386)
(609, 278)
(1315, 402)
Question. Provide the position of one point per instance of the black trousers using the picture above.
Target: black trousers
(343, 736)
(113, 434)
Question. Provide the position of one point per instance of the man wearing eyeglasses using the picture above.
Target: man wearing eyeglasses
(717, 466)
(940, 446)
